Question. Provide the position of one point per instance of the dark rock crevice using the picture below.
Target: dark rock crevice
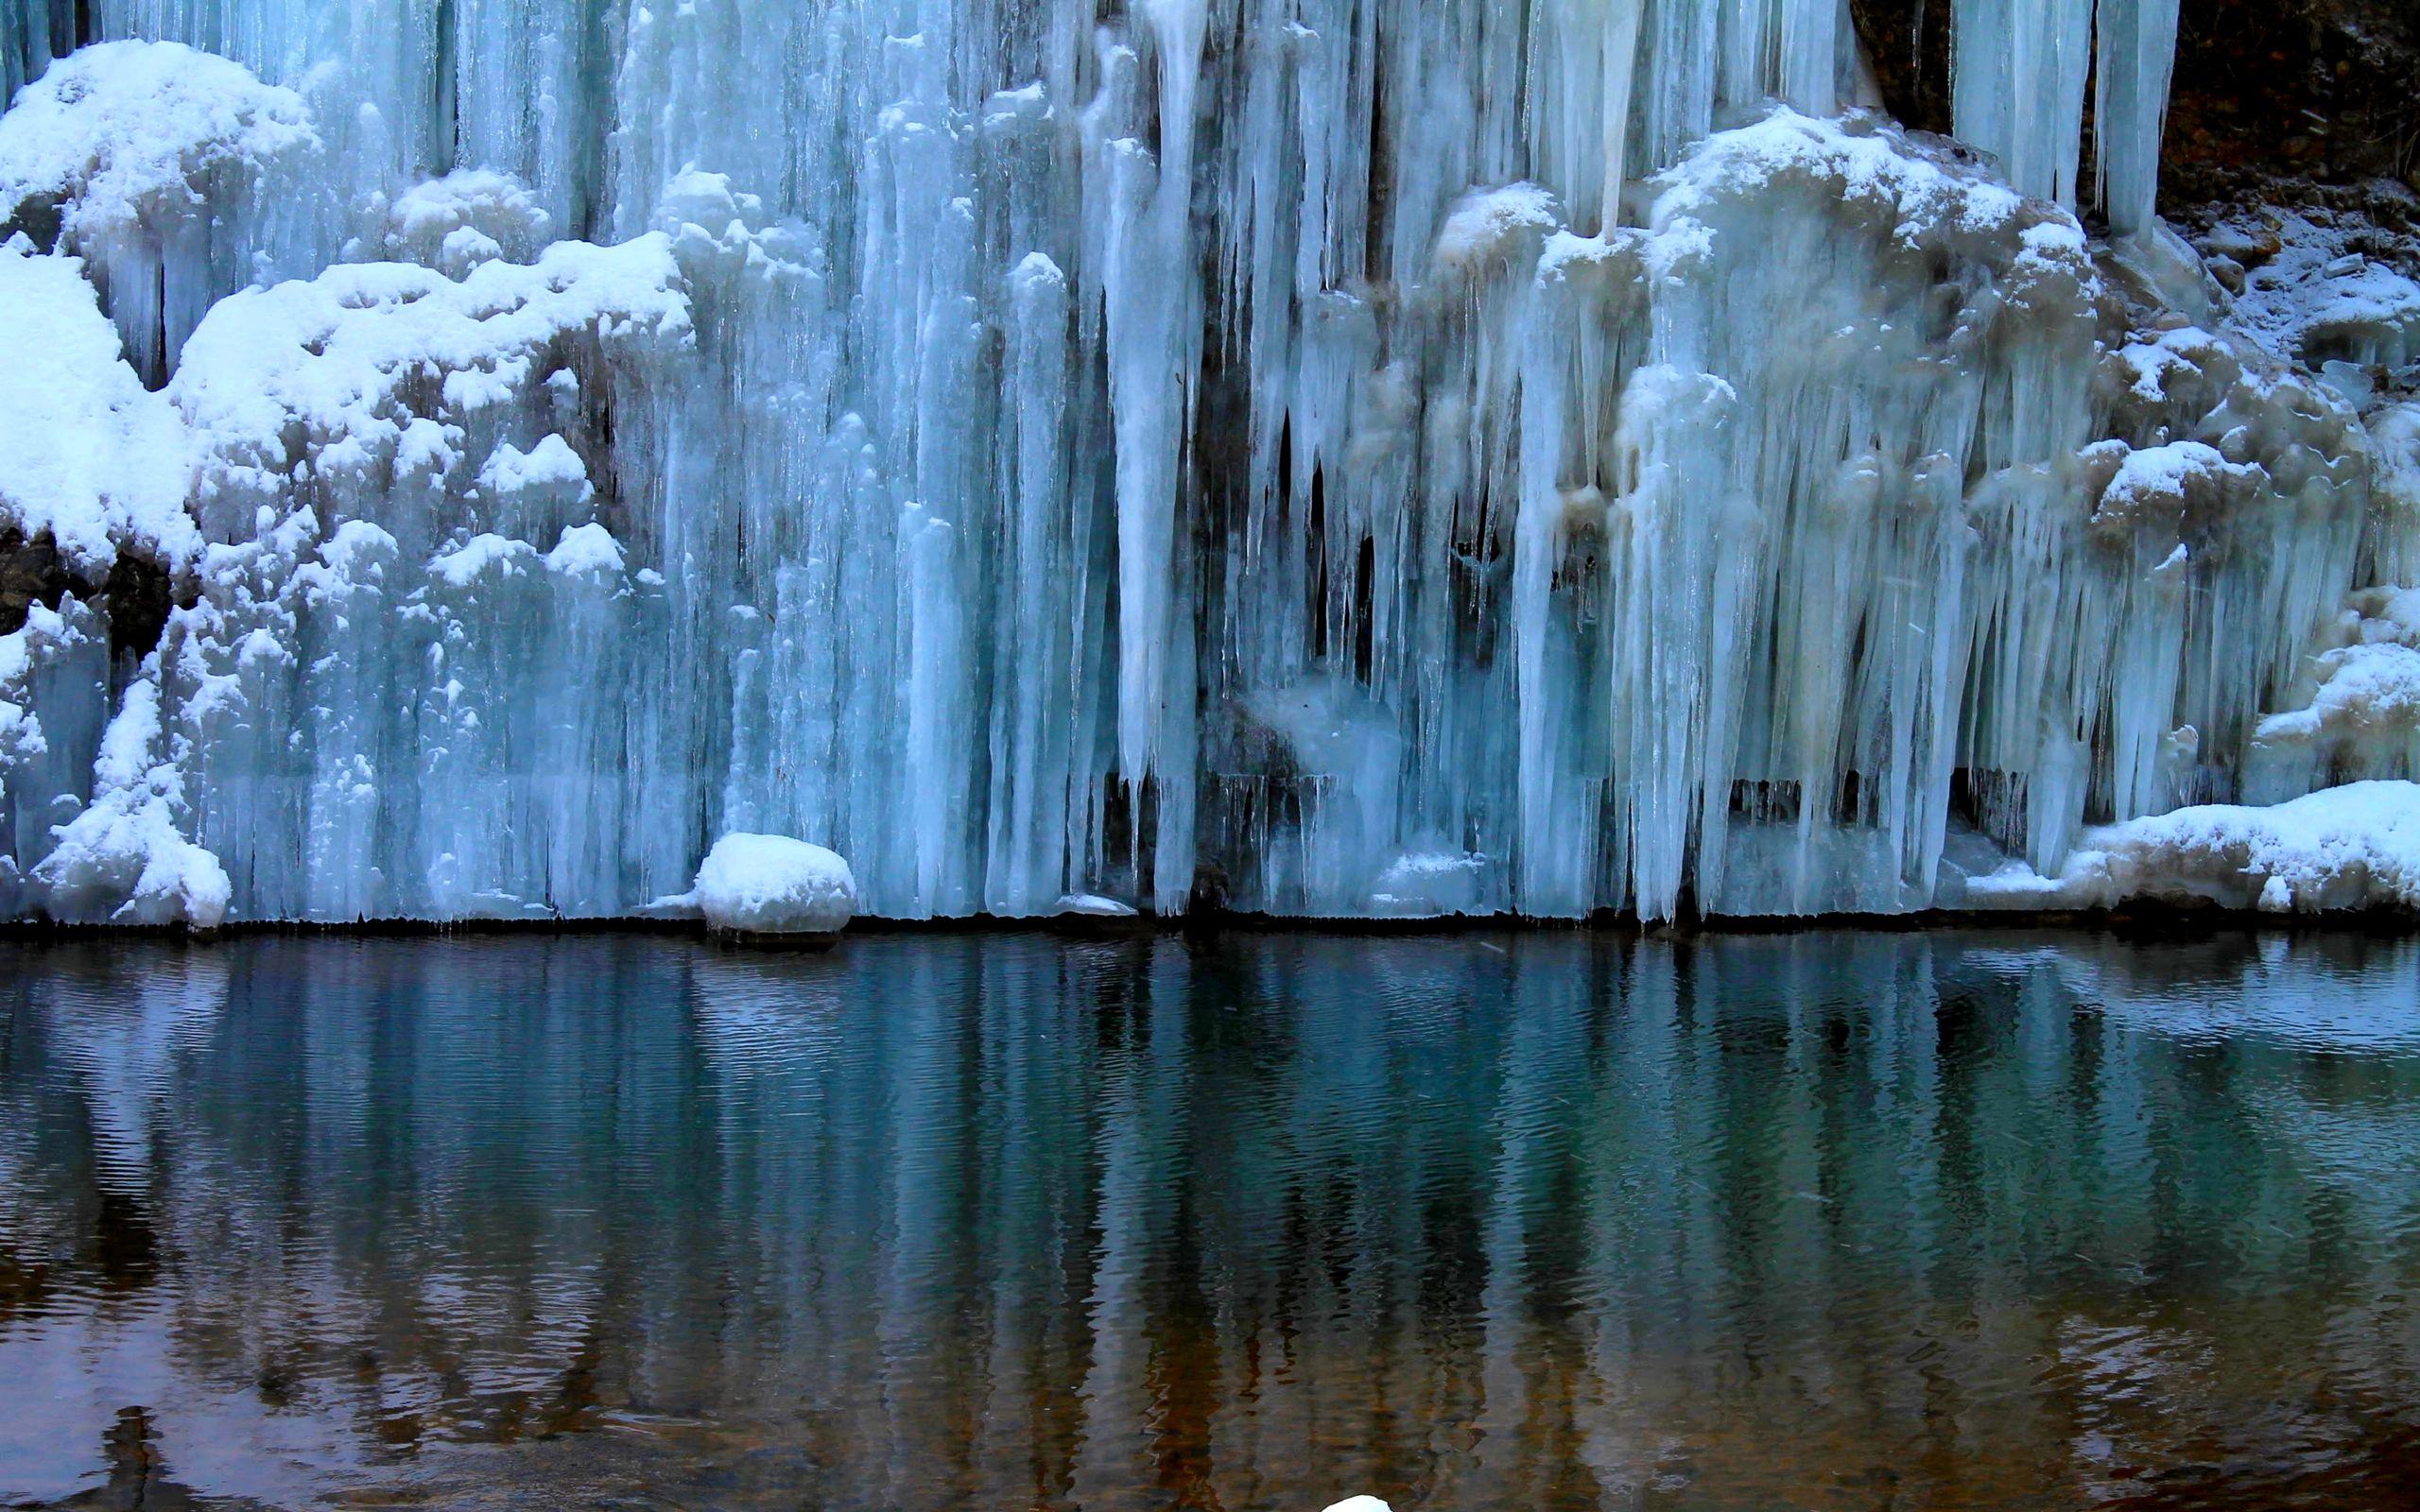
(136, 594)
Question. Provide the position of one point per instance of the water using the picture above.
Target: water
(1827, 1220)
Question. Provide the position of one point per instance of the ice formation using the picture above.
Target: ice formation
(1311, 456)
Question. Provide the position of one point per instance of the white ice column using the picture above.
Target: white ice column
(2137, 58)
(1154, 331)
(1035, 700)
(2021, 67)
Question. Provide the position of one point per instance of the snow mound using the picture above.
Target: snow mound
(88, 455)
(771, 884)
(121, 131)
(2346, 847)
(1360, 1504)
(452, 224)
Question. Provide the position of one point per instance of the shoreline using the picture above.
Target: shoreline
(2152, 920)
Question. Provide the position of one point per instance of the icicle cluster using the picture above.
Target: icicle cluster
(1319, 456)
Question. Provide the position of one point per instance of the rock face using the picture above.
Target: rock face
(2317, 89)
(1552, 458)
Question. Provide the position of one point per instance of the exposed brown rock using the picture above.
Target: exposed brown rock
(2327, 89)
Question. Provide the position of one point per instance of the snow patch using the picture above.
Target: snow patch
(1430, 884)
(1092, 905)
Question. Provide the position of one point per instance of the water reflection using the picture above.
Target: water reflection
(993, 1221)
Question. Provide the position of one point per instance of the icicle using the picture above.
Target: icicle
(2137, 56)
(2020, 68)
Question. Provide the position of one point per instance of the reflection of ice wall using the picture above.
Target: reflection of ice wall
(1327, 457)
(931, 1221)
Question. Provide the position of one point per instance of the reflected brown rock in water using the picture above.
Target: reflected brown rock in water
(138, 1476)
(1833, 1220)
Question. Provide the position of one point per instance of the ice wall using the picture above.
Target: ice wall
(1320, 456)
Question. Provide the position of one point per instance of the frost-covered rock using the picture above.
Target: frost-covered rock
(88, 455)
(2346, 847)
(771, 884)
(2314, 289)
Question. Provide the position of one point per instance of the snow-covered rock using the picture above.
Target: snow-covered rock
(769, 885)
(1492, 225)
(452, 224)
(123, 131)
(2346, 847)
(163, 167)
(396, 376)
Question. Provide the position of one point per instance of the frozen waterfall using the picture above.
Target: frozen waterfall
(1315, 456)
